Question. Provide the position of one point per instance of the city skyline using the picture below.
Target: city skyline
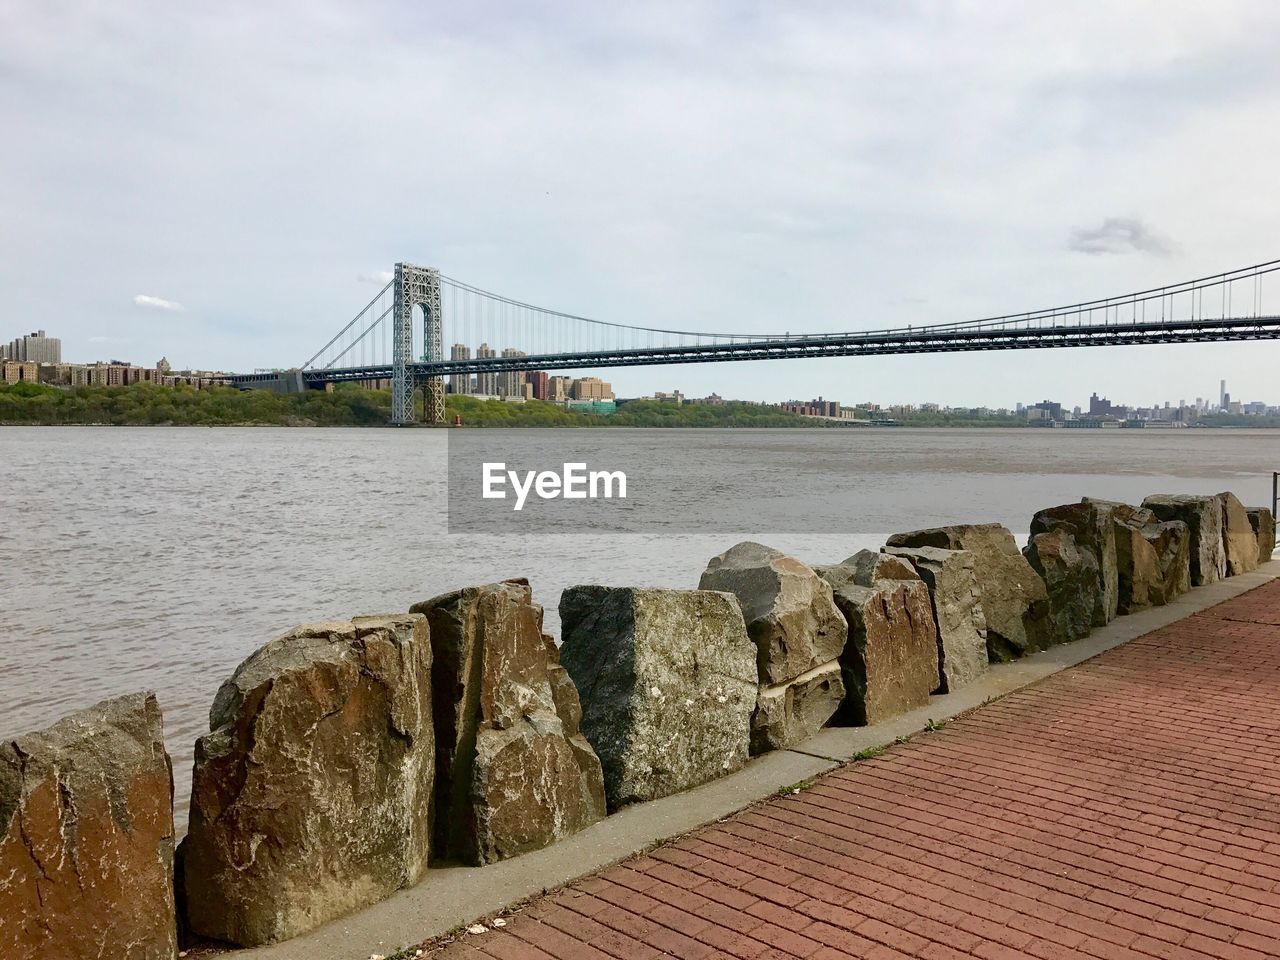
(862, 187)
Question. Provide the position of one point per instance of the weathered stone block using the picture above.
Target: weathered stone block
(1264, 528)
(791, 712)
(1171, 545)
(1203, 517)
(799, 634)
(312, 793)
(1014, 598)
(787, 607)
(890, 664)
(86, 837)
(1070, 574)
(957, 610)
(1152, 558)
(1239, 542)
(668, 682)
(1094, 535)
(513, 772)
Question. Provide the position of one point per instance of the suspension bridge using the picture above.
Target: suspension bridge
(399, 335)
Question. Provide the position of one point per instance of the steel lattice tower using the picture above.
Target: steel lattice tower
(419, 286)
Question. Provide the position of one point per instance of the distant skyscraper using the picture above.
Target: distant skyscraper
(1222, 394)
(460, 382)
(486, 383)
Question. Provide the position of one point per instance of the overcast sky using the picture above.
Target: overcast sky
(218, 183)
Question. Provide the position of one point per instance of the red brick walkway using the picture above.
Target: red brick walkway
(1126, 808)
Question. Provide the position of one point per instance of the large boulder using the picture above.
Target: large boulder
(1137, 565)
(312, 793)
(1152, 558)
(1264, 528)
(513, 771)
(1071, 577)
(890, 664)
(86, 837)
(787, 608)
(1014, 598)
(668, 683)
(1171, 545)
(1203, 517)
(957, 610)
(799, 635)
(1093, 534)
(1239, 542)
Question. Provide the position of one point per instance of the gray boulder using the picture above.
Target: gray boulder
(799, 635)
(1264, 528)
(86, 837)
(890, 664)
(1071, 577)
(1093, 534)
(312, 791)
(513, 771)
(957, 610)
(668, 683)
(1203, 517)
(1239, 542)
(787, 608)
(1014, 599)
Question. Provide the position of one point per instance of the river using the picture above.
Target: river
(159, 558)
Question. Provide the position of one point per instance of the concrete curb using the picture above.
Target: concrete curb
(450, 896)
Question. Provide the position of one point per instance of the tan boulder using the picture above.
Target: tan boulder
(787, 608)
(1264, 528)
(312, 793)
(513, 772)
(1203, 517)
(1014, 598)
(799, 634)
(890, 664)
(86, 837)
(957, 610)
(1239, 541)
(1152, 558)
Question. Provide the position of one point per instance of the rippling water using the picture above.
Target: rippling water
(159, 558)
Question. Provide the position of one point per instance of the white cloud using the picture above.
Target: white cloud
(379, 277)
(158, 303)
(1119, 235)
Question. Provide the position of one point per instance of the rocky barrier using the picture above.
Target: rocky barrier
(344, 758)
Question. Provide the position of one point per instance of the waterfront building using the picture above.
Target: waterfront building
(537, 380)
(558, 389)
(486, 383)
(590, 388)
(511, 383)
(35, 347)
(460, 383)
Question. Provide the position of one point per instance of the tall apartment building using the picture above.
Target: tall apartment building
(460, 382)
(558, 389)
(537, 380)
(511, 383)
(590, 388)
(35, 347)
(486, 383)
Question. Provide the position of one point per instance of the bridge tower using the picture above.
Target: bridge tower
(418, 286)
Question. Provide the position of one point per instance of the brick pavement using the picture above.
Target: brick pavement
(1124, 809)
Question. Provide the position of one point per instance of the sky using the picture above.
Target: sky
(223, 183)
